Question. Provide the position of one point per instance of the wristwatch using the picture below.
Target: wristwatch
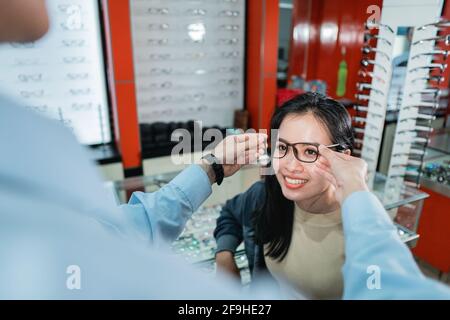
(216, 166)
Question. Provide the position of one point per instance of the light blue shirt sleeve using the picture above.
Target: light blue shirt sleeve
(161, 216)
(55, 215)
(378, 265)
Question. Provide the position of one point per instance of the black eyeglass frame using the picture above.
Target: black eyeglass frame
(339, 148)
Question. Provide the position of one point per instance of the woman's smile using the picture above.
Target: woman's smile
(293, 183)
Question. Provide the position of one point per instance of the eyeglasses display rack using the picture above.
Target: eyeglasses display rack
(188, 60)
(62, 75)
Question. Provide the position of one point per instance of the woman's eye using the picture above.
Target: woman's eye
(282, 147)
(310, 152)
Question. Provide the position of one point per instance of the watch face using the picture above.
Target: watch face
(210, 158)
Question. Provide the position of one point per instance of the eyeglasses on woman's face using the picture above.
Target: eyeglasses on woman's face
(307, 152)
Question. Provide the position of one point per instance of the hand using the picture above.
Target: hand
(225, 263)
(348, 174)
(237, 150)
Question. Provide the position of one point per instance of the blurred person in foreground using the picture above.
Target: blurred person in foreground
(61, 238)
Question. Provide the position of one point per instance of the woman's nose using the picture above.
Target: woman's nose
(292, 164)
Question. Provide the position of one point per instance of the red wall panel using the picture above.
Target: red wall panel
(125, 107)
(433, 245)
(261, 61)
(253, 60)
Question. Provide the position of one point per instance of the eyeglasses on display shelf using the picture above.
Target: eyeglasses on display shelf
(63, 75)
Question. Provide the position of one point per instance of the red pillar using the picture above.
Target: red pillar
(261, 61)
(124, 103)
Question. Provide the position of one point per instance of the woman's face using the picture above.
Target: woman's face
(298, 180)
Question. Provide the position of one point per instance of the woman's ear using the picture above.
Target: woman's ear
(347, 152)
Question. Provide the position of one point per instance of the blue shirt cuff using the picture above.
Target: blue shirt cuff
(362, 208)
(194, 183)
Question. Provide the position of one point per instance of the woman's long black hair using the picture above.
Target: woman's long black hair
(274, 221)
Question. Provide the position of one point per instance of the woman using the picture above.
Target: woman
(291, 223)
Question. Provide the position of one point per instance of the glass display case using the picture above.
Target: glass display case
(436, 167)
(197, 243)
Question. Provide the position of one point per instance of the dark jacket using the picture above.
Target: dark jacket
(235, 224)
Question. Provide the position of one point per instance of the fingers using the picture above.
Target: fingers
(247, 157)
(251, 158)
(250, 141)
(323, 161)
(326, 153)
(343, 156)
(332, 156)
(324, 167)
(327, 174)
(259, 137)
(241, 138)
(242, 148)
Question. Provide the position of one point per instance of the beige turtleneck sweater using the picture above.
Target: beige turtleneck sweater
(312, 266)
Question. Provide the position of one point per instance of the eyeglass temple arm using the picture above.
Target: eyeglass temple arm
(332, 145)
